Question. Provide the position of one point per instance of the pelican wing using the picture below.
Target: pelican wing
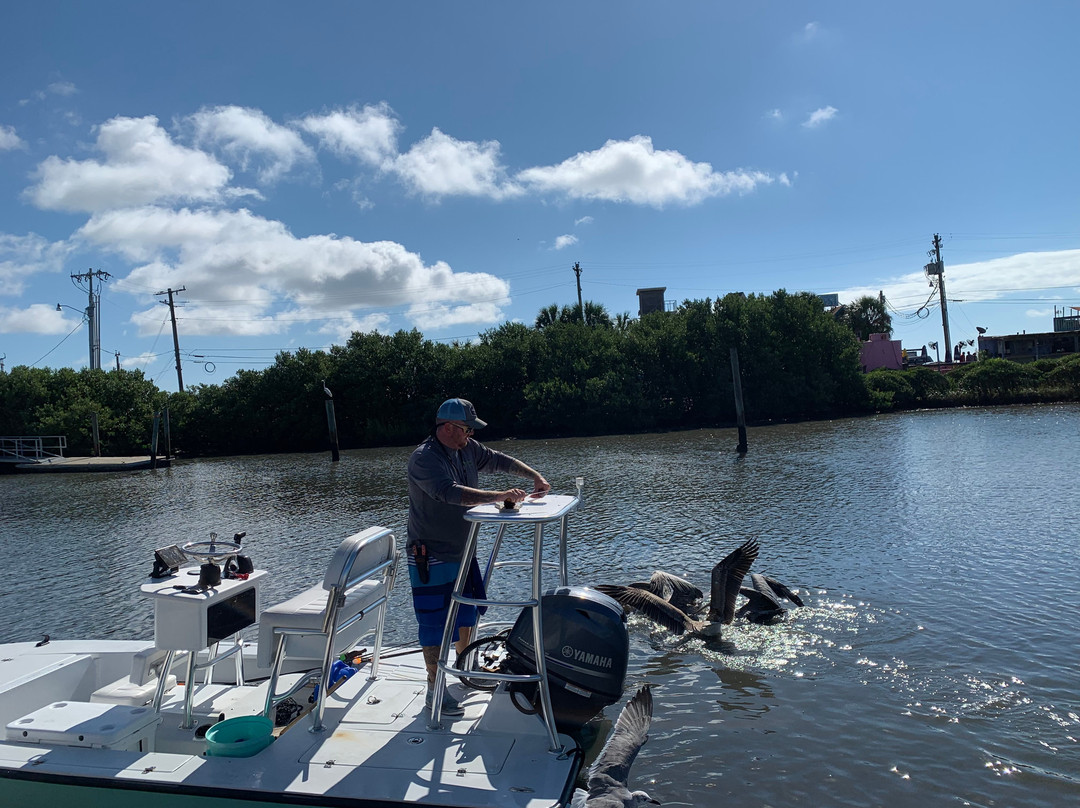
(683, 593)
(782, 591)
(612, 767)
(727, 577)
(653, 607)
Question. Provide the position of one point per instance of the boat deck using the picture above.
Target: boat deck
(377, 743)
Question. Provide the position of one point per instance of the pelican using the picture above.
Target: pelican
(763, 599)
(727, 577)
(608, 776)
(677, 591)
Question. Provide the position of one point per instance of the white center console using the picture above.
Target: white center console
(188, 617)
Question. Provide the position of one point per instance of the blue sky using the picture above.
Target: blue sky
(306, 170)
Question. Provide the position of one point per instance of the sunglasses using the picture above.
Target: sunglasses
(468, 430)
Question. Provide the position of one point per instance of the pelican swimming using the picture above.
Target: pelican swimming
(763, 599)
(727, 577)
(608, 776)
(677, 591)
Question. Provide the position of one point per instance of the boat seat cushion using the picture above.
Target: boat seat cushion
(307, 611)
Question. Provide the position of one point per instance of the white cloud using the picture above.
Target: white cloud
(633, 171)
(142, 166)
(248, 136)
(37, 318)
(583, 220)
(440, 165)
(23, 256)
(9, 140)
(443, 316)
(368, 134)
(140, 362)
(775, 114)
(565, 241)
(339, 329)
(820, 116)
(811, 30)
(981, 281)
(245, 274)
(62, 88)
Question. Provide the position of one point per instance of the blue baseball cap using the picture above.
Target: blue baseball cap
(458, 409)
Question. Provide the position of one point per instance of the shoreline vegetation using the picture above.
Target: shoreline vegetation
(563, 376)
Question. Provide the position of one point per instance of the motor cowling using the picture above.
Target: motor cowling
(586, 649)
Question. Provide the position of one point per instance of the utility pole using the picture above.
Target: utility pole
(92, 315)
(581, 308)
(175, 338)
(936, 269)
(118, 361)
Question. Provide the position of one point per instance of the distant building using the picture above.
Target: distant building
(1024, 347)
(881, 352)
(650, 300)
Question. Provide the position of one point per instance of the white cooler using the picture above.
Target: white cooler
(81, 723)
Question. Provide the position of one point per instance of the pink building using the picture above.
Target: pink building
(880, 352)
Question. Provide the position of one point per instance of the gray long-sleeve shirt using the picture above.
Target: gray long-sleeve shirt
(436, 515)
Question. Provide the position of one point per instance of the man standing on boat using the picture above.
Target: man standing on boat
(443, 476)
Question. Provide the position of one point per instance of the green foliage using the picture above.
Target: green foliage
(990, 379)
(1065, 375)
(927, 384)
(43, 401)
(666, 370)
(891, 386)
(865, 316)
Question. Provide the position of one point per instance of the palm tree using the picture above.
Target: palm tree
(865, 316)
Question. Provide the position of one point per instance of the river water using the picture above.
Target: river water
(935, 661)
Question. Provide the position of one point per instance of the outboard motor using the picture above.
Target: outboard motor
(586, 648)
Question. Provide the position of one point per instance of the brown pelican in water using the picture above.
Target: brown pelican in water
(608, 776)
(763, 599)
(677, 591)
(727, 577)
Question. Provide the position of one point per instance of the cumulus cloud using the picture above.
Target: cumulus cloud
(633, 171)
(37, 318)
(261, 278)
(565, 241)
(820, 116)
(250, 138)
(982, 281)
(368, 134)
(440, 165)
(23, 256)
(8, 139)
(142, 165)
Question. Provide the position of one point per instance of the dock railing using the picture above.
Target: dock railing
(30, 448)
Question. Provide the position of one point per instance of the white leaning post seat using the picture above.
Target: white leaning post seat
(327, 620)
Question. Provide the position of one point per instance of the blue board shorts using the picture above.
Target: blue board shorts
(431, 600)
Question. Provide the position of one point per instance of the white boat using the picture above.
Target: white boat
(201, 717)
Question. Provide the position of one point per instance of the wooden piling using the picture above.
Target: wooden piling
(331, 422)
(740, 413)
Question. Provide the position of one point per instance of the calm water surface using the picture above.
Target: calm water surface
(935, 663)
